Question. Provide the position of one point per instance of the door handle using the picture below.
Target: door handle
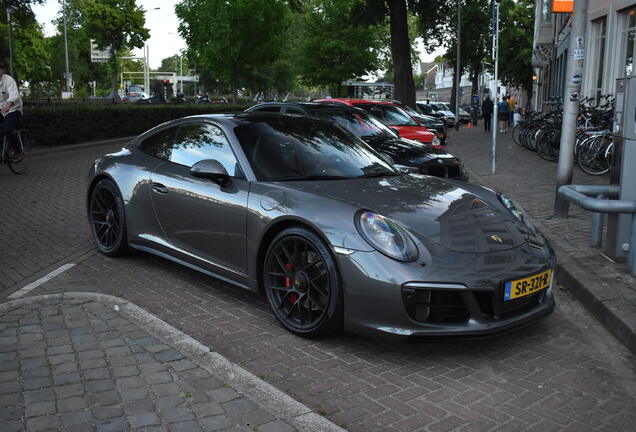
(159, 188)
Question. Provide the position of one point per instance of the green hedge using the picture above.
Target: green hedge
(69, 124)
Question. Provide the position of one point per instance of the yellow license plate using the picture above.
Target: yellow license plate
(526, 286)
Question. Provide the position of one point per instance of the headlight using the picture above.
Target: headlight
(386, 236)
(435, 141)
(515, 209)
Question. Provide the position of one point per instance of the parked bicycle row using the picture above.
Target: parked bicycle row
(541, 132)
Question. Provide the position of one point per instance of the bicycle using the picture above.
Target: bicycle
(17, 166)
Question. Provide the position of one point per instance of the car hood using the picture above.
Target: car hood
(460, 217)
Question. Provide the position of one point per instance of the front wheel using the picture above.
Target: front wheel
(19, 166)
(107, 219)
(302, 284)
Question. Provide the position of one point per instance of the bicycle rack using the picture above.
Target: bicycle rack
(601, 200)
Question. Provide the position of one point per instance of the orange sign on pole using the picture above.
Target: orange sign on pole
(563, 6)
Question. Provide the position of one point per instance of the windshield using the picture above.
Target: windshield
(307, 150)
(359, 123)
(388, 114)
(444, 106)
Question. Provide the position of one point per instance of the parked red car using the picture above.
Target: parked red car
(394, 116)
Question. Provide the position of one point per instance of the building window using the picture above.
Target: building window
(628, 35)
(546, 12)
(599, 29)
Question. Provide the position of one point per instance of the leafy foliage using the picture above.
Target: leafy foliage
(233, 39)
(515, 43)
(335, 47)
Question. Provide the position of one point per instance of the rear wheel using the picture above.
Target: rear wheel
(302, 284)
(20, 165)
(107, 219)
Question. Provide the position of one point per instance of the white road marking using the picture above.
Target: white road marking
(33, 285)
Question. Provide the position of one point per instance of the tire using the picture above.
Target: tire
(107, 219)
(302, 284)
(547, 144)
(516, 134)
(593, 158)
(21, 166)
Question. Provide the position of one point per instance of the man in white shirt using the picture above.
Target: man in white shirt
(11, 110)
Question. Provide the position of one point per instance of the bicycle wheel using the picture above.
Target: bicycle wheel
(548, 144)
(594, 156)
(516, 132)
(19, 167)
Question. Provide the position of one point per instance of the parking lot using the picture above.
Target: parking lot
(562, 373)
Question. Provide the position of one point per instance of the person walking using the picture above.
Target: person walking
(503, 112)
(487, 107)
(511, 110)
(11, 110)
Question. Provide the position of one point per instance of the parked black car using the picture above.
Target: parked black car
(426, 159)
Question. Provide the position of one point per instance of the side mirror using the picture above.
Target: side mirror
(213, 170)
(395, 131)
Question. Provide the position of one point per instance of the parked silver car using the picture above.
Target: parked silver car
(334, 236)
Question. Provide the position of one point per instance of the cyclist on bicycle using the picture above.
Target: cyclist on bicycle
(11, 110)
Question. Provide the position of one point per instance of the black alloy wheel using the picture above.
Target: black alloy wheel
(302, 285)
(106, 216)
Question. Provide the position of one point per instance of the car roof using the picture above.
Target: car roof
(359, 101)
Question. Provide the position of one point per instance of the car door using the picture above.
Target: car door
(197, 215)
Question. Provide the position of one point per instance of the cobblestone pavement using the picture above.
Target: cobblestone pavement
(563, 373)
(81, 364)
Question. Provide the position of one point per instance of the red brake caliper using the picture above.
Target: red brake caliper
(293, 297)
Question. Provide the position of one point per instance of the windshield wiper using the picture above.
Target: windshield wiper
(306, 177)
(379, 174)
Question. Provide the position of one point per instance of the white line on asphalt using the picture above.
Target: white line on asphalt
(33, 285)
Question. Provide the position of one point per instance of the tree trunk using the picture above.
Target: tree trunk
(453, 98)
(233, 84)
(475, 85)
(401, 52)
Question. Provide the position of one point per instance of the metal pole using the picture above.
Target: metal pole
(574, 75)
(495, 51)
(10, 42)
(181, 71)
(146, 76)
(68, 73)
(458, 77)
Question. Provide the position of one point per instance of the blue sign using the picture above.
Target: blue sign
(475, 100)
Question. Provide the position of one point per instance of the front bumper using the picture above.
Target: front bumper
(380, 293)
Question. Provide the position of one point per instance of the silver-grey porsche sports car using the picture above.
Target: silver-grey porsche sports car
(331, 233)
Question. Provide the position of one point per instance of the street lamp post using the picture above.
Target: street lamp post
(67, 74)
(10, 10)
(458, 78)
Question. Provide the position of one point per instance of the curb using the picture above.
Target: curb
(263, 394)
(42, 151)
(589, 290)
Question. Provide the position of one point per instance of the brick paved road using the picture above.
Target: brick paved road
(84, 366)
(564, 373)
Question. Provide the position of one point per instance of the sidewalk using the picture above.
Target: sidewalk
(84, 362)
(602, 286)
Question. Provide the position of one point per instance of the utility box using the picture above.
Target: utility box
(623, 165)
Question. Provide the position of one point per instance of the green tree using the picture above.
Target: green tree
(474, 46)
(118, 24)
(231, 39)
(30, 57)
(515, 43)
(335, 47)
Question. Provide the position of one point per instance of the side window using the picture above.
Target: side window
(294, 112)
(274, 109)
(159, 144)
(195, 142)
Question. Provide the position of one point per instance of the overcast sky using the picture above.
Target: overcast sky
(164, 39)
